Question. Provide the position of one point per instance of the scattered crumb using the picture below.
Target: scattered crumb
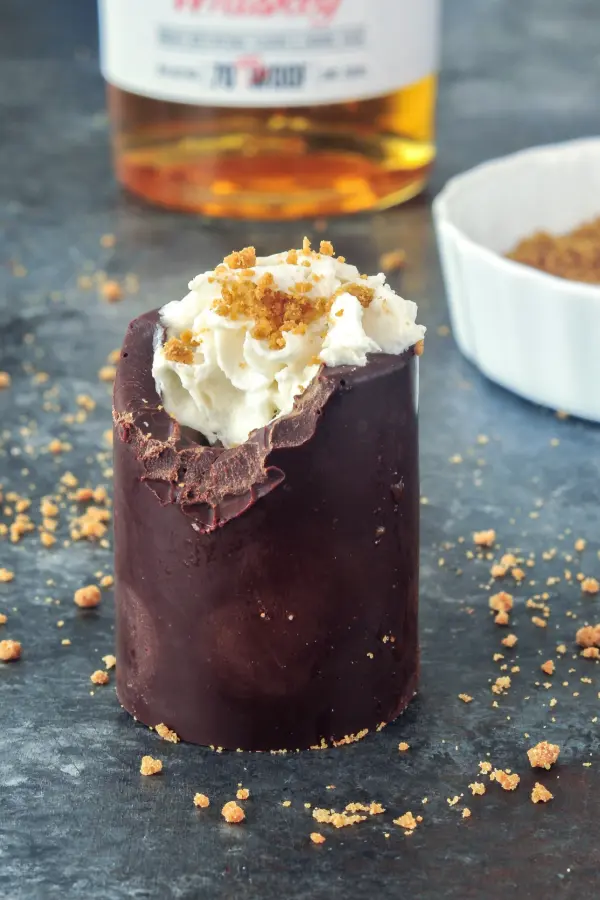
(5, 381)
(109, 661)
(501, 684)
(150, 766)
(3, 619)
(466, 698)
(108, 240)
(485, 767)
(107, 373)
(506, 781)
(452, 801)
(112, 291)
(99, 677)
(166, 734)
(10, 651)
(107, 581)
(543, 755)
(541, 623)
(337, 819)
(403, 746)
(6, 575)
(540, 794)
(548, 667)
(477, 788)
(87, 597)
(407, 821)
(562, 649)
(502, 618)
(590, 586)
(47, 539)
(588, 636)
(242, 794)
(392, 261)
(201, 801)
(232, 813)
(510, 640)
(591, 653)
(485, 538)
(501, 602)
(580, 545)
(66, 642)
(286, 803)
(317, 838)
(466, 813)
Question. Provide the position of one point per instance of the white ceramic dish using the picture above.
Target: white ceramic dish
(533, 333)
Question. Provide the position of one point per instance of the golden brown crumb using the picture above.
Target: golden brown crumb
(420, 348)
(233, 813)
(337, 819)
(518, 574)
(5, 381)
(502, 618)
(56, 446)
(498, 571)
(9, 651)
(47, 539)
(573, 255)
(562, 649)
(373, 809)
(403, 746)
(506, 781)
(107, 373)
(99, 677)
(150, 766)
(501, 684)
(580, 545)
(242, 794)
(466, 698)
(591, 653)
(6, 575)
(112, 291)
(3, 619)
(66, 642)
(485, 538)
(241, 259)
(86, 402)
(347, 739)
(48, 509)
(590, 586)
(548, 667)
(477, 788)
(166, 734)
(107, 581)
(588, 636)
(317, 838)
(201, 801)
(286, 803)
(452, 801)
(69, 480)
(510, 640)
(466, 813)
(407, 821)
(326, 248)
(87, 597)
(485, 767)
(501, 602)
(543, 755)
(541, 623)
(540, 794)
(176, 351)
(392, 261)
(90, 526)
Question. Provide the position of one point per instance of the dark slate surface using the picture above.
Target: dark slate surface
(76, 819)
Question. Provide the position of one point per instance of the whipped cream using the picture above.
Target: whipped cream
(219, 373)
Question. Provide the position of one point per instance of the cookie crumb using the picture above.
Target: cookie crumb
(548, 667)
(201, 801)
(3, 619)
(232, 813)
(5, 381)
(540, 794)
(477, 788)
(317, 838)
(590, 586)
(501, 602)
(508, 782)
(543, 755)
(112, 291)
(403, 746)
(10, 651)
(466, 698)
(466, 813)
(99, 677)
(109, 661)
(6, 575)
(407, 821)
(580, 545)
(242, 794)
(164, 732)
(485, 767)
(150, 766)
(591, 653)
(485, 538)
(87, 597)
(539, 622)
(392, 261)
(510, 640)
(588, 636)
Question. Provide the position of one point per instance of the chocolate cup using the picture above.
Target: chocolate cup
(267, 596)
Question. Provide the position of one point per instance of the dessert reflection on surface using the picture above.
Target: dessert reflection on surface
(267, 592)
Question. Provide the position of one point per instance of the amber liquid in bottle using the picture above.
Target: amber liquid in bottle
(276, 163)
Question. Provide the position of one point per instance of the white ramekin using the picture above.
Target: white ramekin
(533, 333)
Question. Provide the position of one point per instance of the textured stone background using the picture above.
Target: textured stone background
(76, 819)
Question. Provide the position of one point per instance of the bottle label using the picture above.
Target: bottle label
(257, 53)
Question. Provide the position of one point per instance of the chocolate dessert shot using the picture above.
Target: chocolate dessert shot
(267, 505)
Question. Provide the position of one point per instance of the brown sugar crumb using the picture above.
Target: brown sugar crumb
(242, 794)
(541, 623)
(588, 636)
(392, 261)
(501, 602)
(337, 819)
(107, 373)
(543, 755)
(477, 788)
(91, 525)
(590, 586)
(574, 255)
(107, 581)
(506, 781)
(166, 734)
(99, 677)
(112, 291)
(591, 653)
(10, 651)
(498, 571)
(5, 381)
(56, 446)
(87, 597)
(292, 258)
(150, 766)
(6, 575)
(348, 739)
(109, 661)
(485, 767)
(466, 813)
(518, 574)
(580, 545)
(201, 801)
(540, 794)
(47, 539)
(241, 259)
(176, 351)
(69, 480)
(466, 698)
(3, 619)
(48, 509)
(548, 667)
(510, 640)
(403, 746)
(407, 821)
(317, 838)
(232, 813)
(485, 538)
(501, 684)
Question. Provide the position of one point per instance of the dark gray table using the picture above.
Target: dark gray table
(76, 819)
